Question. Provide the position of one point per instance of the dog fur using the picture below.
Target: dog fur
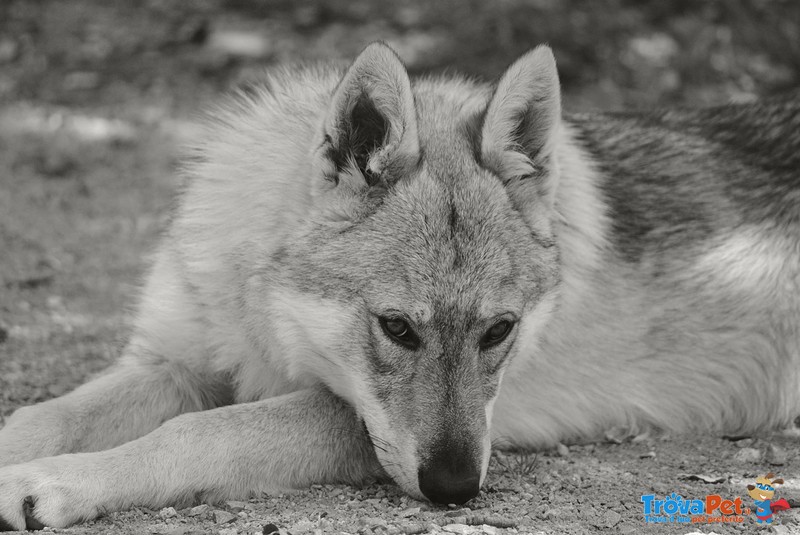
(641, 271)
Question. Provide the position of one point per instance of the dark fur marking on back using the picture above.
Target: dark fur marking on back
(662, 188)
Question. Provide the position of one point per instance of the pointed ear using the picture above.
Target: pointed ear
(521, 122)
(370, 130)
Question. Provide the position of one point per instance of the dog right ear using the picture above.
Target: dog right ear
(369, 132)
(521, 121)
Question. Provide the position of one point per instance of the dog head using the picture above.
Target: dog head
(428, 252)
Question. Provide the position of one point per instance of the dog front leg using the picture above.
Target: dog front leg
(294, 440)
(126, 403)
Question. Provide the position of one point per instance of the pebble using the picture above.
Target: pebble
(168, 512)
(270, 529)
(563, 450)
(411, 511)
(748, 455)
(373, 522)
(199, 510)
(461, 529)
(235, 507)
(228, 531)
(611, 518)
(223, 517)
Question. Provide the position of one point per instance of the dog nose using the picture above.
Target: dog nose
(445, 480)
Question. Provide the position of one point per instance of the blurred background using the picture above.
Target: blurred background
(98, 96)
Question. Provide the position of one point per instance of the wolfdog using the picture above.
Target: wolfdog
(370, 276)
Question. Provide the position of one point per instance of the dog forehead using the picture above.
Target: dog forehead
(444, 244)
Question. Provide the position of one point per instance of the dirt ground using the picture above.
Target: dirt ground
(97, 98)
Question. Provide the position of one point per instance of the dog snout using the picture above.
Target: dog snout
(449, 478)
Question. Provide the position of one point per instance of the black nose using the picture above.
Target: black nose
(448, 479)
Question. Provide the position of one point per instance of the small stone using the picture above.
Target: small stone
(611, 518)
(199, 510)
(459, 512)
(748, 455)
(775, 456)
(460, 529)
(373, 522)
(270, 529)
(411, 511)
(563, 450)
(228, 531)
(235, 507)
(223, 517)
(168, 512)
(743, 443)
(489, 530)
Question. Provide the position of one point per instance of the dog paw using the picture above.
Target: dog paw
(36, 494)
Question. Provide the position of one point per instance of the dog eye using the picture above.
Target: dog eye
(399, 331)
(496, 334)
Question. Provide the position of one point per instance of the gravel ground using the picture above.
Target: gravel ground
(593, 488)
(97, 97)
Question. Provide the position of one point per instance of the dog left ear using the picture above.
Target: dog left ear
(521, 123)
(370, 130)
